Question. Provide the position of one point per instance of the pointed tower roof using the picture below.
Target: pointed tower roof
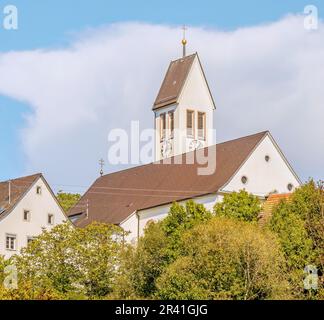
(175, 80)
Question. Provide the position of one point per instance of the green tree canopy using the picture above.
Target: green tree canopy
(239, 205)
(71, 262)
(159, 247)
(299, 223)
(68, 200)
(308, 203)
(225, 259)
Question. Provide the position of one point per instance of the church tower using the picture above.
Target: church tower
(183, 109)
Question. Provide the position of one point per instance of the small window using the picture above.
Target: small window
(39, 190)
(30, 239)
(26, 215)
(171, 123)
(50, 219)
(290, 187)
(267, 158)
(201, 125)
(244, 179)
(11, 242)
(162, 126)
(190, 123)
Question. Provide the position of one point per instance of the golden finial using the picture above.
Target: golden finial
(184, 41)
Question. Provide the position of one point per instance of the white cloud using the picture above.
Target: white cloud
(265, 77)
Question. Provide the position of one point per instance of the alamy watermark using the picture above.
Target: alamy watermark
(10, 17)
(141, 147)
(10, 281)
(311, 279)
(311, 17)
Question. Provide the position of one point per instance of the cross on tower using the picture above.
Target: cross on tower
(102, 164)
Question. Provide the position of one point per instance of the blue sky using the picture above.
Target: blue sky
(52, 24)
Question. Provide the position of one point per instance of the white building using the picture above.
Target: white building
(27, 207)
(184, 140)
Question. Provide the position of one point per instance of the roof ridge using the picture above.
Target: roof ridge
(24, 177)
(188, 56)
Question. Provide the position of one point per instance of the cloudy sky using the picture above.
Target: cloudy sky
(71, 73)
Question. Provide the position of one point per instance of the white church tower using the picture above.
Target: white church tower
(183, 109)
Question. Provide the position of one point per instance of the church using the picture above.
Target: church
(188, 165)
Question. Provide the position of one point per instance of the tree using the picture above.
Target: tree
(159, 247)
(308, 203)
(142, 265)
(2, 267)
(68, 200)
(239, 205)
(180, 219)
(71, 262)
(225, 259)
(299, 223)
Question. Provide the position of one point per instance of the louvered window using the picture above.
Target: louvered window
(171, 123)
(190, 123)
(162, 126)
(201, 125)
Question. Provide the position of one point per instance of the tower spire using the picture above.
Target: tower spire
(184, 41)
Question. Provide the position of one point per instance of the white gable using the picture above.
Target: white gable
(195, 92)
(264, 177)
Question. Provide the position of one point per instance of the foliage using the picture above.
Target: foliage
(308, 203)
(67, 200)
(159, 247)
(225, 259)
(143, 264)
(70, 262)
(299, 223)
(180, 219)
(239, 205)
(191, 254)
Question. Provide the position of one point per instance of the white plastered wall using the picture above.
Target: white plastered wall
(264, 177)
(159, 213)
(39, 206)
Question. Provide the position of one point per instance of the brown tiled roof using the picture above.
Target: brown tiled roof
(272, 201)
(174, 81)
(19, 187)
(114, 197)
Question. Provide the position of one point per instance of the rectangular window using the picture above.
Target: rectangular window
(201, 125)
(11, 240)
(39, 190)
(162, 126)
(30, 239)
(190, 123)
(26, 215)
(171, 123)
(50, 219)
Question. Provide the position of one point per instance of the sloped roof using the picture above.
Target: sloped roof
(114, 197)
(272, 201)
(174, 81)
(18, 188)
